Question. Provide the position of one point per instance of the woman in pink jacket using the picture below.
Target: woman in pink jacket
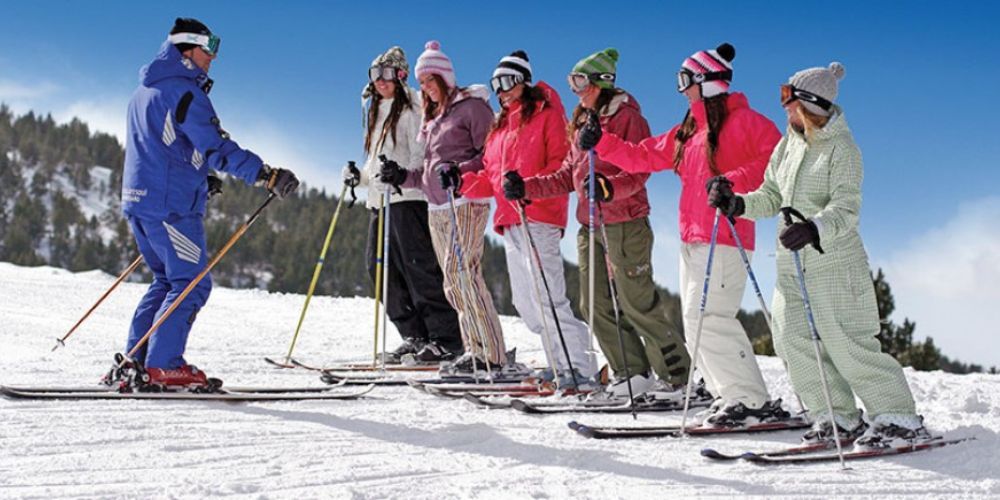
(720, 135)
(654, 355)
(528, 138)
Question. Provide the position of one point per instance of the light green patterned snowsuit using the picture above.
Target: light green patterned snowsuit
(821, 178)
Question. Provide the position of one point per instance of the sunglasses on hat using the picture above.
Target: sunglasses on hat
(687, 78)
(386, 73)
(208, 43)
(504, 83)
(578, 82)
(789, 93)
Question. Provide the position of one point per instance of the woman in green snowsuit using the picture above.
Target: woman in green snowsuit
(816, 169)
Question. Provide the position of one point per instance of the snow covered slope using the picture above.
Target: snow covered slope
(398, 443)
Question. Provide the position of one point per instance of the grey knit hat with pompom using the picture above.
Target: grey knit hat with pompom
(819, 81)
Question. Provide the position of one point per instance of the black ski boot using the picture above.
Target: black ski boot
(735, 414)
(409, 346)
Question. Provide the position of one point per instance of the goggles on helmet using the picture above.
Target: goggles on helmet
(687, 78)
(208, 43)
(789, 93)
(578, 82)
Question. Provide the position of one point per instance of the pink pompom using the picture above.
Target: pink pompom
(433, 45)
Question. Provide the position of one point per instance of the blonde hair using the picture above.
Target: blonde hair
(811, 122)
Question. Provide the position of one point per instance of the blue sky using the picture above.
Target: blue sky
(918, 95)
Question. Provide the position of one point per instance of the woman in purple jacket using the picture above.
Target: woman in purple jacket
(456, 122)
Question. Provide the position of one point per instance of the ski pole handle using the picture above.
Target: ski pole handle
(788, 212)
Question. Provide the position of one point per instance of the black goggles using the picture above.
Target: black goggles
(387, 73)
(789, 93)
(504, 83)
(687, 78)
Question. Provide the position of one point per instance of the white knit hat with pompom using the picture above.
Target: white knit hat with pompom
(819, 81)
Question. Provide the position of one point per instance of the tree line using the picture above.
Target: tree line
(46, 167)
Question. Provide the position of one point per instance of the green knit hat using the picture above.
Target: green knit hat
(600, 66)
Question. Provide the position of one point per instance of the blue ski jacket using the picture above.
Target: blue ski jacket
(174, 137)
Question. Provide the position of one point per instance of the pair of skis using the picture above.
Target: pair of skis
(799, 454)
(236, 394)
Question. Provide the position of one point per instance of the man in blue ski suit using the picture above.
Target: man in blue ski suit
(174, 138)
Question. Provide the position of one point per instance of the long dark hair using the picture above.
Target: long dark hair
(431, 107)
(531, 99)
(580, 113)
(716, 112)
(401, 101)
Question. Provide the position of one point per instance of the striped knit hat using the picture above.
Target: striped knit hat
(712, 61)
(515, 64)
(819, 81)
(433, 61)
(601, 64)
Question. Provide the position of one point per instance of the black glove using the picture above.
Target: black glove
(351, 175)
(604, 191)
(721, 196)
(392, 174)
(800, 234)
(214, 186)
(278, 181)
(513, 186)
(450, 175)
(591, 133)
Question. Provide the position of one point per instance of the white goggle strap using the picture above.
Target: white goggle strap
(191, 38)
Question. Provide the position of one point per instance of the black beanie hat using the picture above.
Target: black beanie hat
(188, 25)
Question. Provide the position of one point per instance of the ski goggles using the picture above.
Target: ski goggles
(789, 93)
(579, 82)
(386, 73)
(208, 43)
(504, 83)
(687, 78)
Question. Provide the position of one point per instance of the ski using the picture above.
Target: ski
(783, 452)
(104, 388)
(230, 396)
(596, 432)
(601, 406)
(457, 388)
(333, 378)
(936, 442)
(353, 367)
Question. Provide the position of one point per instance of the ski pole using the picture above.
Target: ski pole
(121, 277)
(378, 278)
(465, 285)
(548, 292)
(756, 288)
(316, 271)
(187, 290)
(788, 212)
(591, 197)
(701, 320)
(385, 268)
(549, 357)
(613, 286)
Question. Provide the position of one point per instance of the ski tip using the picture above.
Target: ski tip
(582, 429)
(278, 364)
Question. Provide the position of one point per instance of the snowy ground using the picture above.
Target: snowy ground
(398, 443)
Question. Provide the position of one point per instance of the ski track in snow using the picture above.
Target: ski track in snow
(396, 443)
